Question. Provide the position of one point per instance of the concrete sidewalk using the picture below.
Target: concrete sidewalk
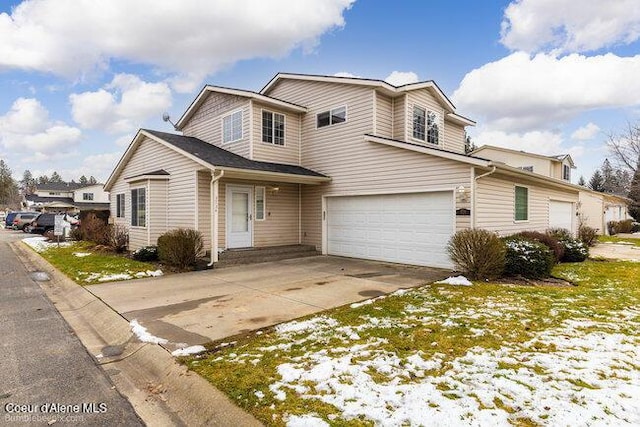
(194, 308)
(619, 251)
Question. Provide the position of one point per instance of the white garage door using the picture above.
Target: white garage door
(560, 215)
(405, 228)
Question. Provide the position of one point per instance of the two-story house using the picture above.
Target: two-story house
(354, 167)
(67, 197)
(593, 209)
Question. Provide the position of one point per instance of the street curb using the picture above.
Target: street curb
(161, 391)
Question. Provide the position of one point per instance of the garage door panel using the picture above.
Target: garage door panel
(560, 214)
(404, 228)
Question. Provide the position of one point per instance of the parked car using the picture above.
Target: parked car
(22, 220)
(42, 223)
(8, 221)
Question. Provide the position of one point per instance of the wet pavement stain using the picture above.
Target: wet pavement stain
(371, 293)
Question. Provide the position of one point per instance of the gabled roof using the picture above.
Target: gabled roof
(557, 158)
(212, 157)
(381, 85)
(202, 96)
(59, 186)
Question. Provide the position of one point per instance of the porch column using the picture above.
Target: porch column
(214, 215)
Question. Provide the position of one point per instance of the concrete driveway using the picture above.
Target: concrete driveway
(198, 307)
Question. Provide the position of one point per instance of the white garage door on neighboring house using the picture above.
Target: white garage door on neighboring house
(561, 214)
(404, 228)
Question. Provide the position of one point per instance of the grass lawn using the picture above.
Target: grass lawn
(82, 263)
(488, 354)
(614, 239)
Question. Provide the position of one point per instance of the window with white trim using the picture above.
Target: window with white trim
(138, 207)
(120, 205)
(521, 203)
(260, 203)
(87, 196)
(273, 128)
(331, 117)
(232, 127)
(425, 125)
(526, 168)
(566, 172)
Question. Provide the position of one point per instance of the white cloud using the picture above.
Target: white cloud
(189, 39)
(399, 78)
(586, 132)
(124, 141)
(539, 142)
(345, 74)
(521, 92)
(97, 165)
(121, 106)
(569, 25)
(27, 128)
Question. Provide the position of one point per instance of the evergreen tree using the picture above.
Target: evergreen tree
(634, 194)
(9, 193)
(83, 180)
(596, 181)
(582, 182)
(43, 179)
(28, 182)
(92, 180)
(55, 177)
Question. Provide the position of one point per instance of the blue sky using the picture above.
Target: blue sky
(545, 76)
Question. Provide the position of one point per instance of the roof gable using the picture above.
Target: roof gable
(557, 158)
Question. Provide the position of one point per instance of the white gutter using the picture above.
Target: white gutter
(486, 174)
(213, 188)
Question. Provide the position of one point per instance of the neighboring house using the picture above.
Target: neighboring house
(67, 197)
(594, 209)
(355, 167)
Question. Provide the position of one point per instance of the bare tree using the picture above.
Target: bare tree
(625, 147)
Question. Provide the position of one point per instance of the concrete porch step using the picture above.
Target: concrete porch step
(255, 255)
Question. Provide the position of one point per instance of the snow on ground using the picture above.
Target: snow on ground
(40, 244)
(144, 336)
(107, 277)
(81, 254)
(457, 280)
(194, 349)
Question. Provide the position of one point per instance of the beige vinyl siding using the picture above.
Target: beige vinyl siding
(280, 226)
(357, 166)
(157, 219)
(423, 98)
(204, 207)
(399, 117)
(384, 116)
(495, 204)
(288, 153)
(180, 194)
(540, 166)
(206, 122)
(453, 137)
(591, 210)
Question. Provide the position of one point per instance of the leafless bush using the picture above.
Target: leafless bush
(478, 253)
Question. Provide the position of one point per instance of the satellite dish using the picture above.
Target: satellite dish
(165, 116)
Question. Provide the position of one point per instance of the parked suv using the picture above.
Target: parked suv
(43, 223)
(22, 220)
(8, 221)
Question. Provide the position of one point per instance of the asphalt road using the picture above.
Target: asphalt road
(44, 369)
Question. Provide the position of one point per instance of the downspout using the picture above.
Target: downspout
(213, 188)
(475, 185)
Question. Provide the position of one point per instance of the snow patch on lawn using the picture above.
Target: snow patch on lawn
(457, 280)
(194, 349)
(127, 275)
(143, 335)
(81, 254)
(561, 375)
(306, 421)
(40, 244)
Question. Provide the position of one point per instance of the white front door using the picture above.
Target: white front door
(239, 216)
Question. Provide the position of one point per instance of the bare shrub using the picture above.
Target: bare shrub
(95, 229)
(180, 248)
(480, 254)
(625, 226)
(587, 235)
(118, 237)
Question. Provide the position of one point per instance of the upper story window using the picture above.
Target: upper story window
(232, 127)
(87, 196)
(526, 168)
(273, 128)
(331, 117)
(52, 193)
(566, 173)
(425, 125)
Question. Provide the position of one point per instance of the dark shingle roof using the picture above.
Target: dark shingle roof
(59, 186)
(217, 156)
(80, 205)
